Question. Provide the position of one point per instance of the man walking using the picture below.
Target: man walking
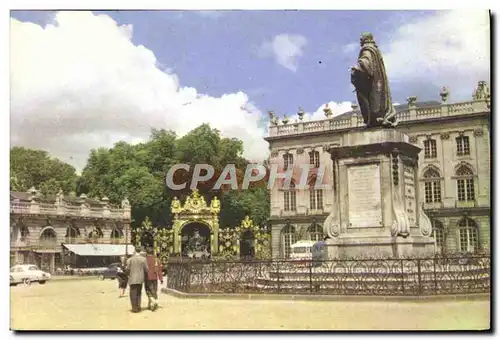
(154, 274)
(138, 268)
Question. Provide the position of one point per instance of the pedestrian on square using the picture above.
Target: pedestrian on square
(154, 274)
(122, 277)
(137, 267)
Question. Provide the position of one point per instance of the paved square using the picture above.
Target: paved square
(94, 305)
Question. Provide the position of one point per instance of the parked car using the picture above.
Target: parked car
(27, 273)
(110, 272)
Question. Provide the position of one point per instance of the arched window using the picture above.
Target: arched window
(314, 158)
(288, 238)
(465, 183)
(116, 235)
(439, 235)
(315, 232)
(432, 186)
(290, 198)
(468, 235)
(430, 149)
(48, 238)
(72, 234)
(96, 233)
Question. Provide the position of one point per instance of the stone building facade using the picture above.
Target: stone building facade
(454, 170)
(43, 229)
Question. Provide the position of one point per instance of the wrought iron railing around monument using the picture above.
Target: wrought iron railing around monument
(412, 277)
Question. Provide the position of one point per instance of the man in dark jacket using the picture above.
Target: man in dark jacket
(154, 274)
(137, 268)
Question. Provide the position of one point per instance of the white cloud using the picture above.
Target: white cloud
(81, 83)
(449, 48)
(350, 48)
(286, 49)
(337, 108)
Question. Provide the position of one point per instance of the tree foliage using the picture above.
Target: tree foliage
(35, 168)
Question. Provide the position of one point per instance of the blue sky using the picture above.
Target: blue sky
(284, 59)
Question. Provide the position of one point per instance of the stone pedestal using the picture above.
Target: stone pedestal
(376, 210)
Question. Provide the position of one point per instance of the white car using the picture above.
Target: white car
(27, 273)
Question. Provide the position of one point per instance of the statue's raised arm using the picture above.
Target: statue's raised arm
(369, 77)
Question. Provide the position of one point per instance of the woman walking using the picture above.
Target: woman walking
(122, 277)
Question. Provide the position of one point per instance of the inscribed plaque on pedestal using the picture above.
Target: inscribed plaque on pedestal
(365, 201)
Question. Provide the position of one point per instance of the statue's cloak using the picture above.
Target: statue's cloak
(372, 86)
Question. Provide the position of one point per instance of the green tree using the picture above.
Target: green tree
(35, 168)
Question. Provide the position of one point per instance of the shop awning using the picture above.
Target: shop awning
(99, 249)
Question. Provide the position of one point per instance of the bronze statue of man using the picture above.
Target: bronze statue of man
(372, 86)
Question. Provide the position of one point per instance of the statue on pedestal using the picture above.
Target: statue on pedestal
(369, 78)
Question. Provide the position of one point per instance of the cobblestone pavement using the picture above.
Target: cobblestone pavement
(94, 305)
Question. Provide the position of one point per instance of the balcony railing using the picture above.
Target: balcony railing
(66, 210)
(413, 113)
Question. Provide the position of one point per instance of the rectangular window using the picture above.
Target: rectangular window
(432, 191)
(289, 200)
(465, 189)
(314, 158)
(430, 149)
(312, 200)
(319, 199)
(287, 161)
(439, 235)
(468, 239)
(463, 147)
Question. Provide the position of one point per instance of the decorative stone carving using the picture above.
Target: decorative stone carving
(125, 203)
(401, 224)
(445, 135)
(413, 139)
(355, 107)
(272, 117)
(412, 100)
(285, 120)
(482, 91)
(326, 147)
(444, 93)
(301, 114)
(331, 226)
(328, 112)
(425, 222)
(461, 133)
(478, 132)
(274, 154)
(59, 197)
(395, 167)
(300, 151)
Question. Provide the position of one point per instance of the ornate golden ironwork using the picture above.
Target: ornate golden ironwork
(230, 240)
(195, 209)
(162, 238)
(227, 243)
